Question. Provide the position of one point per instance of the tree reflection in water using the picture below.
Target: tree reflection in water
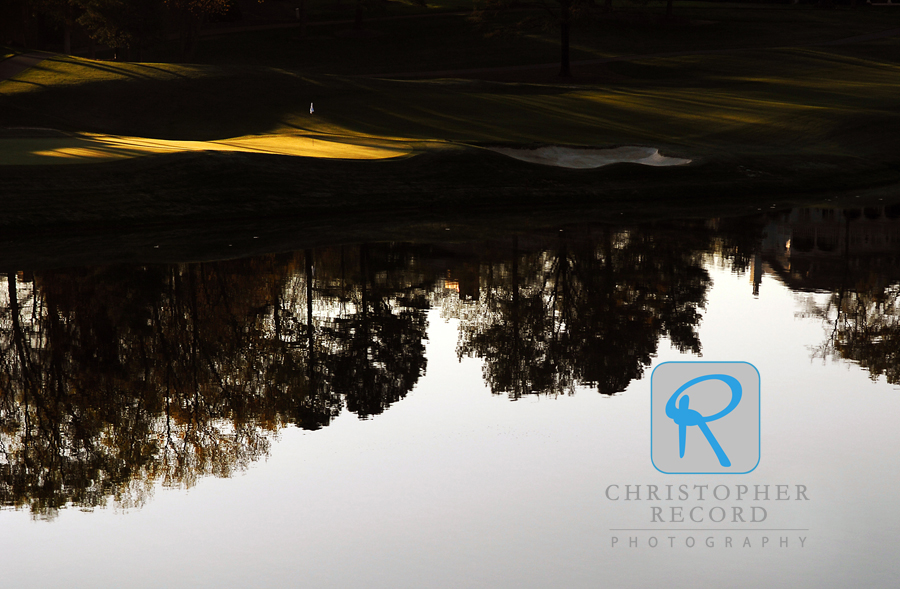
(377, 350)
(866, 328)
(587, 309)
(115, 379)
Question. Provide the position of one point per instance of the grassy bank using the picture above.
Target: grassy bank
(154, 209)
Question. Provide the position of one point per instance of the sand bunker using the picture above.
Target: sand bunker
(573, 157)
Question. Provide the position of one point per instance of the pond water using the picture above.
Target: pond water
(455, 414)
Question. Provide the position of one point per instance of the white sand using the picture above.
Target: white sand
(571, 157)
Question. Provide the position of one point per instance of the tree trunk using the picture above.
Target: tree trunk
(190, 34)
(140, 45)
(184, 35)
(310, 327)
(668, 9)
(40, 35)
(564, 70)
(24, 25)
(302, 18)
(67, 30)
(517, 376)
(357, 20)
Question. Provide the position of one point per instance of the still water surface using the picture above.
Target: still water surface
(451, 414)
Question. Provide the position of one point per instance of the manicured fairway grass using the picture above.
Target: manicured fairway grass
(81, 148)
(804, 102)
(762, 126)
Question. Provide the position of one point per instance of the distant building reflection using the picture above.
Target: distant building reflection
(811, 249)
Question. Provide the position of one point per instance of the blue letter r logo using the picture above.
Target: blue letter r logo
(689, 394)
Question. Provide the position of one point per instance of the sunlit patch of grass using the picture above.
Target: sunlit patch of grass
(94, 148)
(67, 71)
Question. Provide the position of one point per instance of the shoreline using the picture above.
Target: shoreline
(249, 204)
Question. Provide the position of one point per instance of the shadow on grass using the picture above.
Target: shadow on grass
(203, 191)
